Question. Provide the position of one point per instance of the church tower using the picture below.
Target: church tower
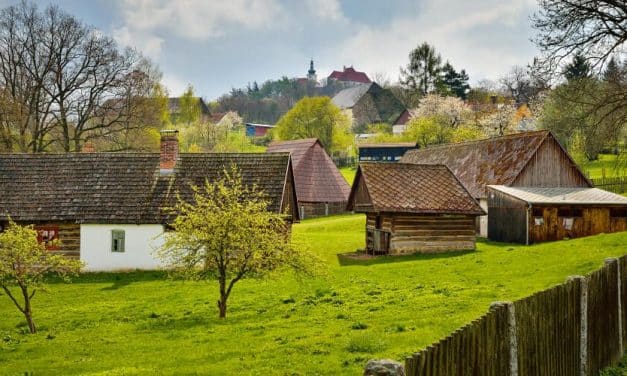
(311, 73)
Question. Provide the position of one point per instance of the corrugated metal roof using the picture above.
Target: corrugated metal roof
(562, 195)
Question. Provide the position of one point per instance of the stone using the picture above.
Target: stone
(384, 367)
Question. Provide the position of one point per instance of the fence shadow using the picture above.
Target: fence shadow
(362, 259)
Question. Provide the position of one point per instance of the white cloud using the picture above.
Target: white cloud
(326, 9)
(464, 32)
(175, 85)
(147, 23)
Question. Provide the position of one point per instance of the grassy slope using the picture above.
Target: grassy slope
(140, 324)
(348, 173)
(606, 162)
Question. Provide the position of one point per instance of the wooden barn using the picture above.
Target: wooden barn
(530, 215)
(320, 187)
(413, 208)
(529, 159)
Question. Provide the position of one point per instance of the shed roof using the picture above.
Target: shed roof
(316, 176)
(388, 145)
(563, 195)
(476, 164)
(413, 188)
(121, 187)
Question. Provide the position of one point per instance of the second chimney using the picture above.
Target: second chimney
(169, 150)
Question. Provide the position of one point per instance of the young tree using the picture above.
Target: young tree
(24, 263)
(228, 233)
(452, 111)
(313, 117)
(577, 69)
(189, 107)
(422, 71)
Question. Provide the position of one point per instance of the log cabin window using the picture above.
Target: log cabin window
(48, 235)
(117, 240)
(618, 213)
(538, 216)
(569, 213)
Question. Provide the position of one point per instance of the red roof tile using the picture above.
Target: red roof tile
(350, 74)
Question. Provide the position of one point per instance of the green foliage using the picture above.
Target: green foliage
(453, 83)
(577, 69)
(24, 262)
(144, 322)
(379, 128)
(316, 117)
(189, 107)
(428, 131)
(422, 72)
(228, 233)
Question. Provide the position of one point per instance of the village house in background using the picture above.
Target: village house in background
(530, 215)
(413, 208)
(530, 159)
(108, 209)
(349, 77)
(384, 152)
(369, 104)
(257, 130)
(321, 189)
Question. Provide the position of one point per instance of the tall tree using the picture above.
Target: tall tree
(61, 72)
(453, 83)
(314, 117)
(577, 69)
(422, 72)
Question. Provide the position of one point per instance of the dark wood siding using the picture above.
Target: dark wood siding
(69, 237)
(362, 201)
(507, 219)
(586, 221)
(550, 167)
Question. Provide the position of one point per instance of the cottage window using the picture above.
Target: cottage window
(618, 213)
(48, 236)
(117, 240)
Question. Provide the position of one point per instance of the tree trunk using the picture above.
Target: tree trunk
(222, 306)
(28, 312)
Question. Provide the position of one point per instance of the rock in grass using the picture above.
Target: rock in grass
(384, 367)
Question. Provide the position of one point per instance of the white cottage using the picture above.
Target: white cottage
(108, 209)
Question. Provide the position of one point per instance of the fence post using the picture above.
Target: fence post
(511, 333)
(583, 335)
(611, 261)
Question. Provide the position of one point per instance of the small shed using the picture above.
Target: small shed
(388, 152)
(530, 215)
(413, 208)
(257, 130)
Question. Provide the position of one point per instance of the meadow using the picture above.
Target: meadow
(142, 323)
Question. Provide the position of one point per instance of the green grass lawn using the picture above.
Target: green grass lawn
(348, 173)
(606, 163)
(139, 323)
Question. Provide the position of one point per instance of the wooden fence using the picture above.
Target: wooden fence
(616, 185)
(575, 328)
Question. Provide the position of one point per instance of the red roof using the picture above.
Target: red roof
(350, 74)
(316, 176)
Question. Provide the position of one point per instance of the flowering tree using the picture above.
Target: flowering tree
(24, 263)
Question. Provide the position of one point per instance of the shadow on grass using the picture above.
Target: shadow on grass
(349, 259)
(118, 279)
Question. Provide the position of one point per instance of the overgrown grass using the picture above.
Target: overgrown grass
(142, 324)
(605, 166)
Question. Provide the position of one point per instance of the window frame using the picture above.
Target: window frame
(118, 235)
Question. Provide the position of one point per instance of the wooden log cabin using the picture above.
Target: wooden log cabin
(530, 215)
(528, 159)
(413, 208)
(109, 209)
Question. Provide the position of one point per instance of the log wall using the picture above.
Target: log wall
(69, 237)
(412, 233)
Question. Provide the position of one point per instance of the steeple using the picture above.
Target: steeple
(311, 73)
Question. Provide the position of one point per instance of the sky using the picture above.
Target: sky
(216, 45)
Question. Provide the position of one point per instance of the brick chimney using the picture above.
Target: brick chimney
(88, 147)
(169, 150)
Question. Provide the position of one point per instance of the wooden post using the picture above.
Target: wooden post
(583, 335)
(511, 333)
(609, 262)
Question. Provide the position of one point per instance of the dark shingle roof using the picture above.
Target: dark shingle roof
(316, 176)
(387, 107)
(494, 161)
(120, 188)
(412, 188)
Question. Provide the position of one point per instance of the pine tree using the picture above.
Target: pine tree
(579, 68)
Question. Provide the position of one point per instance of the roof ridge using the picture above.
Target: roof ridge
(470, 142)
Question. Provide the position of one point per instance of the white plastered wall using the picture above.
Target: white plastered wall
(483, 220)
(141, 241)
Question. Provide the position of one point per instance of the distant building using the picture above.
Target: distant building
(311, 73)
(349, 76)
(389, 152)
(257, 130)
(370, 103)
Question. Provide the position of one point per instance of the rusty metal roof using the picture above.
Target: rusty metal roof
(562, 195)
(412, 188)
(476, 164)
(316, 176)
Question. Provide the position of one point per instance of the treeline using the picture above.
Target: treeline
(63, 83)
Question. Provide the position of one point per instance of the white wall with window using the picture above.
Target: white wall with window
(120, 246)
